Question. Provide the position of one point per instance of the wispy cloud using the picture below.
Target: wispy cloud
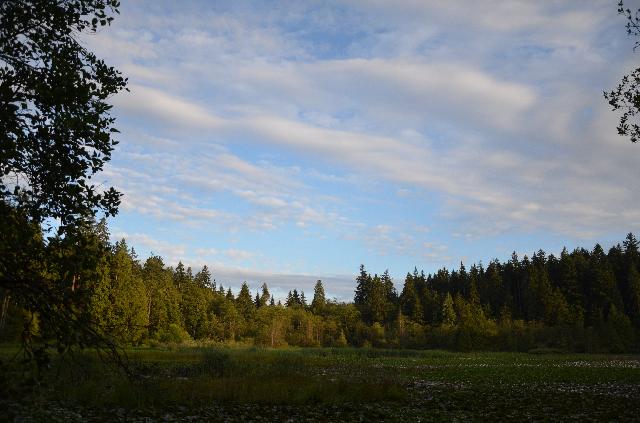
(322, 134)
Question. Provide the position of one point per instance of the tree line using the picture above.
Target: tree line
(580, 301)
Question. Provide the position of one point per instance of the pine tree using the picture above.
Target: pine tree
(602, 289)
(376, 302)
(568, 279)
(390, 297)
(319, 301)
(633, 295)
(179, 275)
(128, 296)
(410, 303)
(363, 291)
(448, 312)
(163, 297)
(244, 303)
(203, 279)
(631, 248)
(264, 298)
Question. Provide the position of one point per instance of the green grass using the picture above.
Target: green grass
(337, 385)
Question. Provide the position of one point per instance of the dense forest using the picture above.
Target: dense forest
(580, 301)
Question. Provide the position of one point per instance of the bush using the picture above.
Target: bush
(173, 334)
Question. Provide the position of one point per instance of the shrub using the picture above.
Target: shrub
(173, 334)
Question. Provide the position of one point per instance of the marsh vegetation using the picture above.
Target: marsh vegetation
(336, 384)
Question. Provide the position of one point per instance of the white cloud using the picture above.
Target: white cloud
(165, 108)
(490, 110)
(169, 251)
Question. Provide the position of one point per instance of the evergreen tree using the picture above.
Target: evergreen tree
(203, 279)
(602, 288)
(632, 296)
(410, 303)
(244, 303)
(568, 279)
(179, 275)
(362, 294)
(265, 296)
(449, 317)
(319, 301)
(390, 297)
(128, 296)
(376, 301)
(163, 298)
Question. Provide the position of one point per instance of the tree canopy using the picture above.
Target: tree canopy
(55, 127)
(626, 96)
(56, 134)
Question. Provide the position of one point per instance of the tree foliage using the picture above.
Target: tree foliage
(56, 134)
(55, 128)
(626, 96)
(582, 301)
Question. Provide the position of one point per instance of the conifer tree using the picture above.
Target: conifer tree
(265, 296)
(448, 312)
(319, 301)
(363, 291)
(410, 303)
(633, 294)
(244, 303)
(203, 279)
(390, 297)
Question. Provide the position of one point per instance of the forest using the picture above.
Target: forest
(581, 301)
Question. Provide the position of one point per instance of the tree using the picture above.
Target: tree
(391, 297)
(376, 301)
(449, 316)
(244, 303)
(120, 302)
(410, 303)
(163, 298)
(265, 296)
(203, 279)
(363, 291)
(319, 301)
(56, 133)
(626, 96)
(55, 128)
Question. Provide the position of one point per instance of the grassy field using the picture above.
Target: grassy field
(333, 385)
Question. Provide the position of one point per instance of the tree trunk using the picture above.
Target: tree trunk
(5, 308)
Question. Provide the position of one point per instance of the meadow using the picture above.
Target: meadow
(252, 384)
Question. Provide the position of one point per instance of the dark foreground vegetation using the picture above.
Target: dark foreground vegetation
(329, 384)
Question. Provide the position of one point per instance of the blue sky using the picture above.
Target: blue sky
(284, 142)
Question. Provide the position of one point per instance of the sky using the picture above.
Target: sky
(286, 141)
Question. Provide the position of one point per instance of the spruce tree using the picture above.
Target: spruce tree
(265, 296)
(244, 303)
(319, 301)
(448, 312)
(363, 291)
